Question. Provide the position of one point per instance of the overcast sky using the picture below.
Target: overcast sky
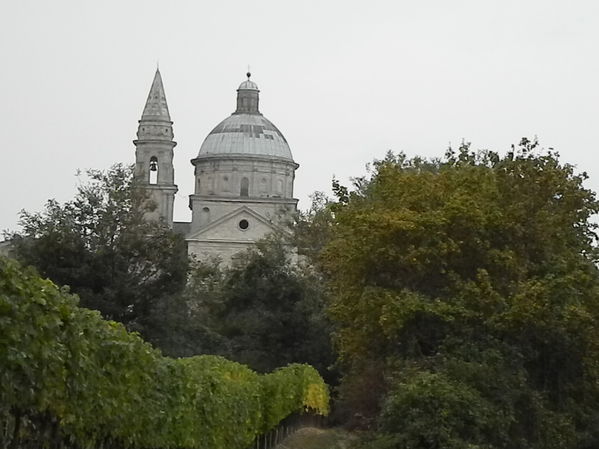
(345, 81)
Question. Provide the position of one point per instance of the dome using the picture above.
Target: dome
(246, 132)
(247, 135)
(248, 85)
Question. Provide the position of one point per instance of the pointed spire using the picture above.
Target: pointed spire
(156, 107)
(155, 123)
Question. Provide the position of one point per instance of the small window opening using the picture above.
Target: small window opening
(205, 219)
(153, 170)
(244, 224)
(245, 187)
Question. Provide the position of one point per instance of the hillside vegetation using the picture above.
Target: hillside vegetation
(69, 378)
(451, 303)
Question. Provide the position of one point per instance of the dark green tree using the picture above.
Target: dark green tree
(267, 310)
(188, 323)
(470, 284)
(101, 247)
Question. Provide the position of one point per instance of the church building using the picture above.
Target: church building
(244, 174)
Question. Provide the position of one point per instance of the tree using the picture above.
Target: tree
(264, 311)
(313, 228)
(471, 281)
(100, 245)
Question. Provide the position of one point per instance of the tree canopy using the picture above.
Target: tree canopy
(266, 310)
(100, 245)
(466, 297)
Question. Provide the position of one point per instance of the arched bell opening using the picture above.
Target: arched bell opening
(205, 216)
(153, 170)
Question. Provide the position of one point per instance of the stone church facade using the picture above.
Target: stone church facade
(244, 174)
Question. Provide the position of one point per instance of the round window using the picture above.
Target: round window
(243, 224)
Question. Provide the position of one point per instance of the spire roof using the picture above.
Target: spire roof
(156, 107)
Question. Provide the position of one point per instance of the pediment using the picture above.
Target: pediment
(229, 227)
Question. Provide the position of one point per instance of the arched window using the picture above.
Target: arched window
(245, 187)
(205, 217)
(263, 187)
(153, 170)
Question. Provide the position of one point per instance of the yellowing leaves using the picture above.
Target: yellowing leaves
(63, 364)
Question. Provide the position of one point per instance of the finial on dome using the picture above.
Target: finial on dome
(248, 74)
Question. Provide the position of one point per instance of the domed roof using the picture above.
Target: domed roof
(246, 132)
(248, 84)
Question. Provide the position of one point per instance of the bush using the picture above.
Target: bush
(69, 377)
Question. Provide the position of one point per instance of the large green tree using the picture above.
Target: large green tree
(266, 310)
(100, 245)
(466, 295)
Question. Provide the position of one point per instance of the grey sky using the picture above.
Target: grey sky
(345, 81)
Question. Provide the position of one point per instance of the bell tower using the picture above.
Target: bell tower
(154, 146)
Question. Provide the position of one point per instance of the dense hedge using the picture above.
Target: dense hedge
(70, 378)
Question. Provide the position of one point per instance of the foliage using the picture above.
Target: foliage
(100, 245)
(69, 378)
(472, 282)
(313, 228)
(264, 311)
